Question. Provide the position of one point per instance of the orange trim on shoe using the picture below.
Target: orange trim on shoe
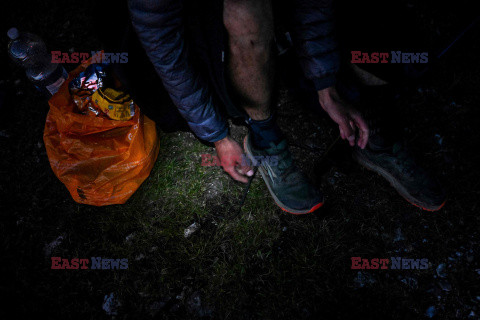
(315, 207)
(430, 210)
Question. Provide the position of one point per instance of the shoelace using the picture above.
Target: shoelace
(285, 162)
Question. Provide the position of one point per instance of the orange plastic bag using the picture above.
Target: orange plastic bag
(100, 161)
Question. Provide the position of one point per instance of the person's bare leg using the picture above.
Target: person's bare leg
(251, 70)
(250, 62)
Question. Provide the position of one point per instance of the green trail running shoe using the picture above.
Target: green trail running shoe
(290, 189)
(399, 168)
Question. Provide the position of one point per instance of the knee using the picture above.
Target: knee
(248, 19)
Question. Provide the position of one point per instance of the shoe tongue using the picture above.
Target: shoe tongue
(277, 148)
(281, 151)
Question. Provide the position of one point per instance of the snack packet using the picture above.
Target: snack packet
(117, 105)
(85, 84)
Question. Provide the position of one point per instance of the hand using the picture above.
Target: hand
(231, 158)
(347, 118)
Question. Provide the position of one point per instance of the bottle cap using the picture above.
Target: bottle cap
(13, 33)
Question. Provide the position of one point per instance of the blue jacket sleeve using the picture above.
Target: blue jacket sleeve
(159, 26)
(314, 41)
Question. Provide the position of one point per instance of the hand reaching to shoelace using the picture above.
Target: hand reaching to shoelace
(351, 123)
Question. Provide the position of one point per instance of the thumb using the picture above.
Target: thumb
(245, 166)
(235, 175)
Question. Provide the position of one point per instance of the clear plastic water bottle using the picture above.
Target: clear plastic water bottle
(30, 52)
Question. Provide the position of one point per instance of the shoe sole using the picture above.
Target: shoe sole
(394, 183)
(277, 201)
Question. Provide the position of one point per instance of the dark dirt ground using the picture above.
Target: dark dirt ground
(265, 264)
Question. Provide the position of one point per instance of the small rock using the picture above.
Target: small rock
(129, 238)
(439, 139)
(180, 296)
(398, 235)
(441, 270)
(110, 304)
(52, 245)
(284, 229)
(191, 229)
(430, 312)
(445, 285)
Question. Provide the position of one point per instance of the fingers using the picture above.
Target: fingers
(235, 175)
(245, 169)
(237, 169)
(347, 132)
(363, 130)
